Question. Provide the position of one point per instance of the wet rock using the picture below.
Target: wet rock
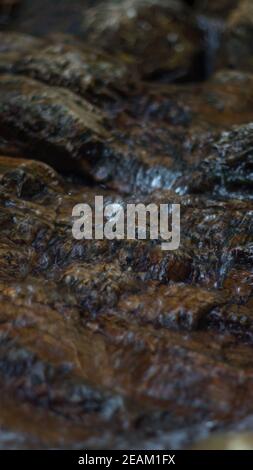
(147, 141)
(177, 306)
(85, 71)
(227, 169)
(117, 306)
(32, 113)
(157, 37)
(55, 125)
(109, 343)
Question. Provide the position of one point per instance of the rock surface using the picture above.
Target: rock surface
(117, 343)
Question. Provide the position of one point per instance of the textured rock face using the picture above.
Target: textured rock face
(73, 66)
(83, 322)
(118, 344)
